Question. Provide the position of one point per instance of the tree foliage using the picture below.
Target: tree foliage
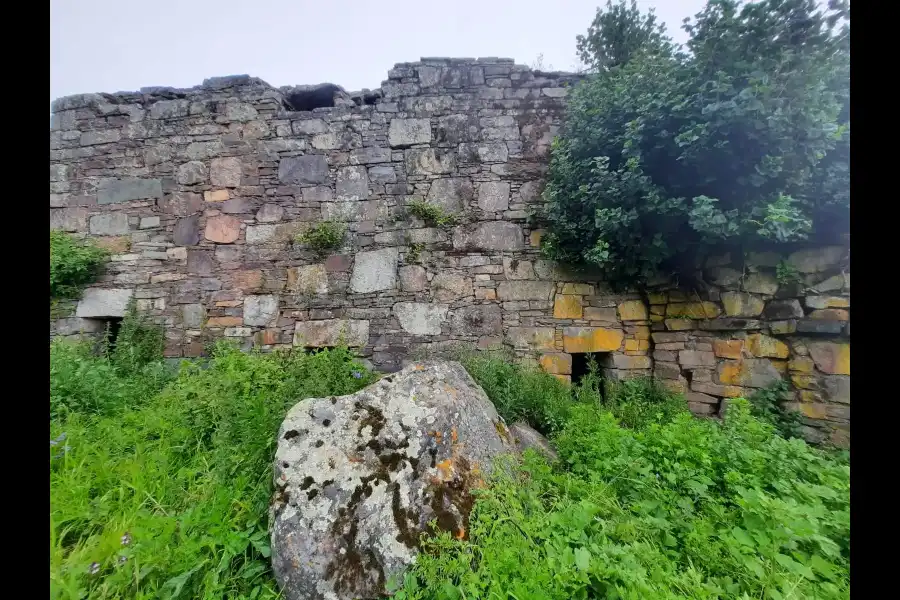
(741, 137)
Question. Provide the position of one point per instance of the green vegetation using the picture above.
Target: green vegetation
(741, 138)
(415, 253)
(786, 274)
(160, 480)
(669, 507)
(323, 237)
(74, 263)
(432, 214)
(767, 404)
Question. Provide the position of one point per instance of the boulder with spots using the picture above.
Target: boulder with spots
(358, 478)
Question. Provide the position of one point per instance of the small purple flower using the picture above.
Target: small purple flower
(59, 439)
(94, 568)
(357, 375)
(126, 538)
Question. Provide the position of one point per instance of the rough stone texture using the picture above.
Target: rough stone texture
(359, 477)
(421, 319)
(470, 136)
(330, 332)
(526, 438)
(260, 311)
(97, 302)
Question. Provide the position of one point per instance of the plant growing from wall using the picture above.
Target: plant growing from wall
(740, 138)
(432, 214)
(786, 274)
(323, 237)
(415, 253)
(74, 263)
(767, 404)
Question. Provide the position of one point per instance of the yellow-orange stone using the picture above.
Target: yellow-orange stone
(591, 339)
(557, 363)
(567, 307)
(731, 373)
(831, 358)
(679, 324)
(632, 310)
(657, 297)
(801, 364)
(216, 196)
(579, 289)
(814, 411)
(224, 322)
(763, 345)
(728, 348)
(535, 238)
(637, 345)
(694, 310)
(830, 314)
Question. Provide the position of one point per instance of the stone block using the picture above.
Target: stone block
(830, 314)
(830, 358)
(149, 222)
(693, 310)
(700, 397)
(824, 302)
(557, 363)
(331, 332)
(832, 284)
(407, 132)
(260, 234)
(412, 278)
(594, 313)
(372, 155)
(352, 183)
(493, 196)
(836, 388)
(816, 260)
(742, 304)
(481, 320)
(567, 307)
(200, 262)
(534, 338)
(375, 270)
(695, 358)
(429, 161)
(783, 309)
(751, 372)
(515, 269)
(382, 175)
(126, 189)
(237, 332)
(270, 213)
(191, 173)
(216, 196)
(260, 311)
(624, 361)
(637, 345)
(103, 303)
(679, 324)
(592, 339)
(116, 245)
(246, 280)
(580, 289)
(764, 346)
(115, 223)
(633, 310)
(729, 324)
(308, 280)
(70, 219)
(193, 315)
(310, 169)
(819, 326)
(181, 204)
(525, 290)
(489, 235)
(419, 318)
(714, 389)
(338, 263)
(761, 283)
(452, 194)
(801, 364)
(222, 229)
(724, 276)
(783, 327)
(225, 172)
(728, 348)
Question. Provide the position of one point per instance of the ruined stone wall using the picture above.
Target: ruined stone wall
(200, 194)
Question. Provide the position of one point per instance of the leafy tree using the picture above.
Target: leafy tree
(740, 138)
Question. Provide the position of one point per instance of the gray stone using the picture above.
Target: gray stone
(236, 206)
(819, 326)
(187, 231)
(754, 373)
(836, 388)
(429, 161)
(420, 319)
(382, 175)
(729, 324)
(115, 223)
(226, 172)
(365, 156)
(406, 132)
(531, 338)
(352, 183)
(724, 276)
(412, 278)
(456, 129)
(448, 287)
(783, 309)
(200, 262)
(452, 194)
(374, 271)
(191, 173)
(77, 325)
(525, 290)
(308, 280)
(514, 268)
(482, 319)
(270, 213)
(103, 303)
(761, 283)
(526, 438)
(240, 111)
(489, 235)
(696, 358)
(356, 478)
(493, 196)
(193, 315)
(817, 259)
(331, 332)
(260, 234)
(181, 204)
(113, 191)
(832, 284)
(260, 311)
(149, 222)
(310, 127)
(317, 194)
(170, 109)
(303, 169)
(74, 218)
(93, 138)
(488, 152)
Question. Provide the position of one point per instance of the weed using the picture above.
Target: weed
(323, 237)
(415, 253)
(432, 214)
(767, 404)
(786, 274)
(74, 263)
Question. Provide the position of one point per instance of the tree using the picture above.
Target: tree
(740, 138)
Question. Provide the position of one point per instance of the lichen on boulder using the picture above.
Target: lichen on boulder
(358, 478)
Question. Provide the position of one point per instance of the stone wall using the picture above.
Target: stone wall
(200, 194)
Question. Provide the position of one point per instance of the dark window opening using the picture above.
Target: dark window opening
(582, 363)
(320, 96)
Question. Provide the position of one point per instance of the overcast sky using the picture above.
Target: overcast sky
(123, 45)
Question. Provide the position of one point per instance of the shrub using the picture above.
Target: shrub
(641, 401)
(169, 498)
(767, 404)
(687, 509)
(432, 214)
(323, 237)
(741, 139)
(74, 263)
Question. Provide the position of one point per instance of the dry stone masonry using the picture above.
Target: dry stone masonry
(200, 194)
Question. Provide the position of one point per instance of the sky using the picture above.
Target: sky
(123, 45)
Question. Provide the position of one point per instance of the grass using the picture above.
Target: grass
(160, 482)
(432, 214)
(324, 237)
(74, 263)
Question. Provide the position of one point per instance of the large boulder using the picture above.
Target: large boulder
(359, 477)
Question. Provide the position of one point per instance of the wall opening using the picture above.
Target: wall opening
(308, 98)
(106, 326)
(581, 364)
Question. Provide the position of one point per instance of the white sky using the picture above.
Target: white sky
(123, 45)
